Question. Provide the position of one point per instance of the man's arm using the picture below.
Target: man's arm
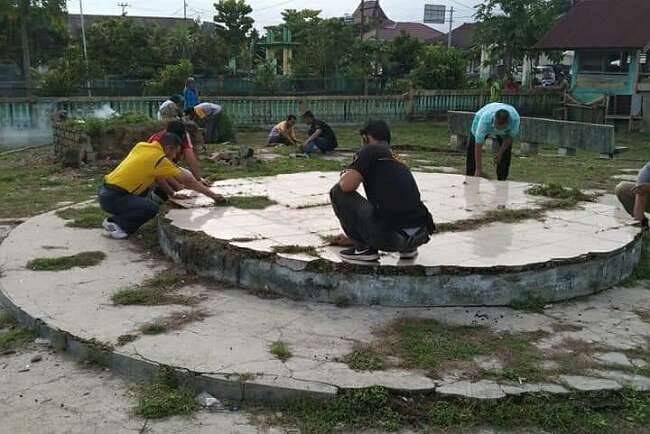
(193, 163)
(164, 185)
(350, 180)
(188, 180)
(641, 200)
(507, 142)
(478, 159)
(316, 134)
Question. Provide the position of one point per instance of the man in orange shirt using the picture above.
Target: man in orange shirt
(284, 133)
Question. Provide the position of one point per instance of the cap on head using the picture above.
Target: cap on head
(378, 129)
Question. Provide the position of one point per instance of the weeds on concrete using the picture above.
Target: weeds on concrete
(529, 304)
(6, 320)
(339, 240)
(622, 412)
(15, 338)
(642, 269)
(173, 321)
(364, 358)
(125, 339)
(280, 351)
(248, 202)
(557, 191)
(82, 260)
(165, 397)
(89, 217)
(296, 250)
(159, 290)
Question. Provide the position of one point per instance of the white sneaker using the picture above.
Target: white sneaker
(118, 233)
(109, 226)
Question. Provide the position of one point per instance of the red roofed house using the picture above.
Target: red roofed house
(384, 29)
(611, 40)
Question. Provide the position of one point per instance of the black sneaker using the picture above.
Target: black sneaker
(411, 254)
(353, 254)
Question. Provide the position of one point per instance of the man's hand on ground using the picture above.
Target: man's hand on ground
(205, 182)
(218, 199)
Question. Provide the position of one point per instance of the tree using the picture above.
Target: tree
(32, 30)
(122, 47)
(403, 54)
(67, 74)
(509, 28)
(363, 60)
(233, 16)
(439, 68)
(171, 79)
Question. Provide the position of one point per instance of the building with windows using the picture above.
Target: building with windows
(382, 28)
(611, 40)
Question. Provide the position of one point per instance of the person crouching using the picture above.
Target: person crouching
(393, 217)
(124, 192)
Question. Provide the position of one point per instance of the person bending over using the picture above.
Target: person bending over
(124, 192)
(501, 122)
(207, 114)
(284, 133)
(167, 187)
(190, 93)
(393, 217)
(321, 136)
(635, 196)
(170, 109)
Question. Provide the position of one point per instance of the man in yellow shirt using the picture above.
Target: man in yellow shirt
(284, 133)
(125, 189)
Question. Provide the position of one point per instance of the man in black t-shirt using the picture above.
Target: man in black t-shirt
(321, 137)
(393, 217)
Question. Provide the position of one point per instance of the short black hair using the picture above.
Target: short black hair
(177, 99)
(176, 127)
(170, 139)
(291, 117)
(377, 129)
(308, 114)
(189, 111)
(501, 117)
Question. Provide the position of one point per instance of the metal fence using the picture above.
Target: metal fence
(251, 111)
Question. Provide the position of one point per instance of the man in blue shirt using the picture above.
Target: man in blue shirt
(500, 122)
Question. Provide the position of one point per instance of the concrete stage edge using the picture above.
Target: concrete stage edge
(342, 283)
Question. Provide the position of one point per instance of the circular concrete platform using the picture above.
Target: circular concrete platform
(566, 254)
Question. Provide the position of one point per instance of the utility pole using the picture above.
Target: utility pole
(451, 22)
(185, 10)
(83, 40)
(123, 6)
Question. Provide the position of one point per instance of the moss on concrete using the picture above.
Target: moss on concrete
(82, 260)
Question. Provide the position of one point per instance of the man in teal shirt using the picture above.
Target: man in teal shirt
(500, 122)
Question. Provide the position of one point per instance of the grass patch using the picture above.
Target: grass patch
(173, 321)
(248, 202)
(556, 191)
(82, 260)
(364, 358)
(158, 290)
(90, 217)
(529, 304)
(280, 351)
(165, 397)
(125, 339)
(642, 269)
(296, 250)
(622, 412)
(435, 347)
(6, 320)
(15, 338)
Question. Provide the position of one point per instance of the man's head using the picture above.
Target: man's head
(177, 99)
(176, 127)
(190, 113)
(291, 120)
(171, 143)
(375, 131)
(308, 117)
(501, 119)
(190, 83)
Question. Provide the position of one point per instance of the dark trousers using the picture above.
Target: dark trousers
(280, 139)
(503, 168)
(362, 225)
(319, 143)
(211, 131)
(128, 211)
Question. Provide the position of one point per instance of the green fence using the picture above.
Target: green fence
(254, 111)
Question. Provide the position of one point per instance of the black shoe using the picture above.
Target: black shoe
(411, 254)
(368, 254)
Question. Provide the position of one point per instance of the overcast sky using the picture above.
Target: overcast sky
(267, 12)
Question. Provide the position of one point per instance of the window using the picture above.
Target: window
(609, 62)
(644, 61)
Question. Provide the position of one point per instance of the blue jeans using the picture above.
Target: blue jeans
(128, 211)
(318, 144)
